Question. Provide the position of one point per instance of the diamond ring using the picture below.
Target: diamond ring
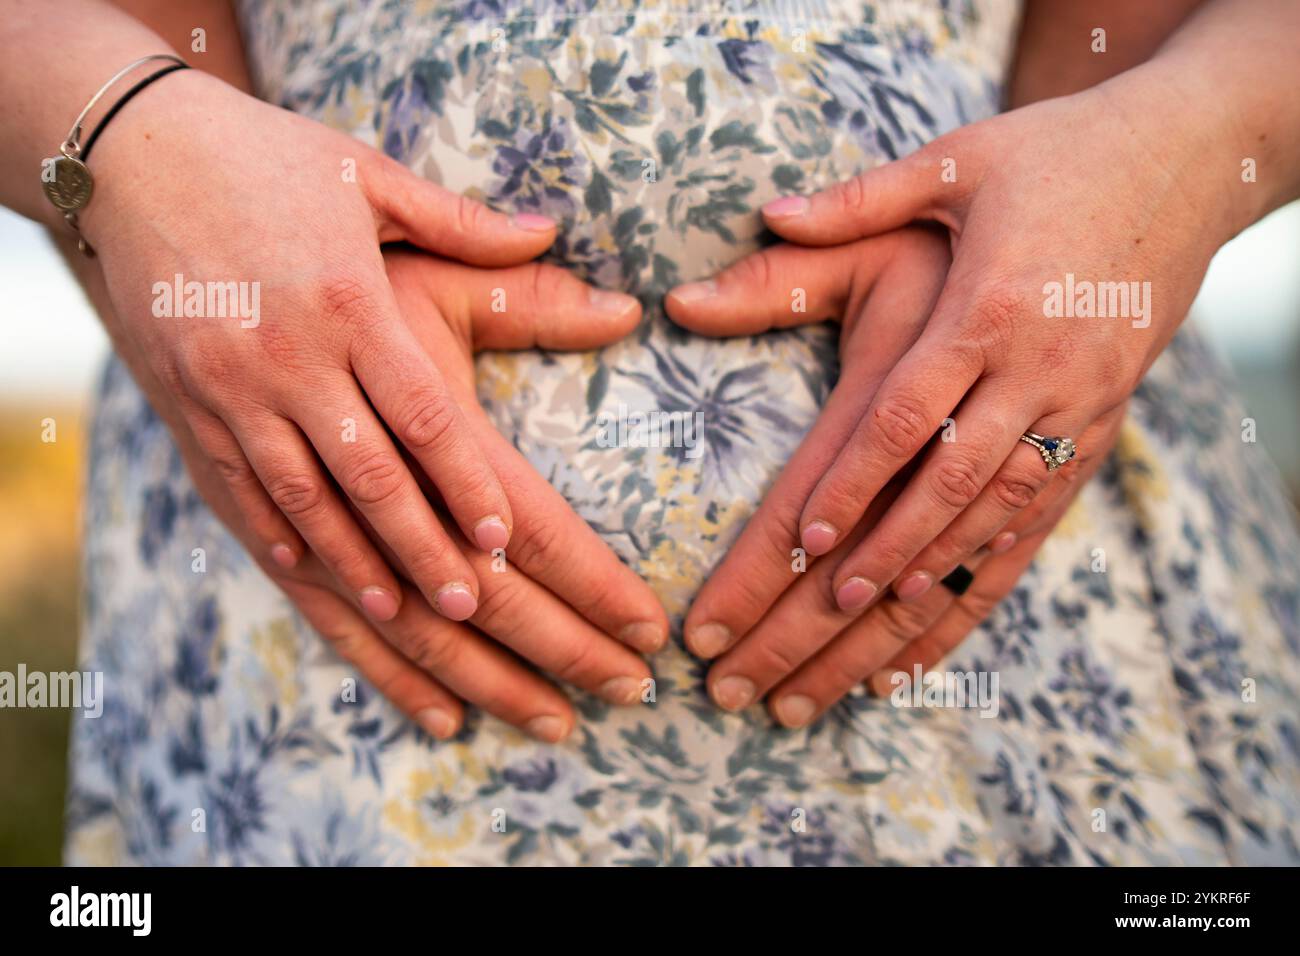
(1055, 451)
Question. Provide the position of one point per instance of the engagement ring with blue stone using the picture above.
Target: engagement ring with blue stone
(1055, 451)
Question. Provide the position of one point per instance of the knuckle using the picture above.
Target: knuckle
(548, 283)
(295, 494)
(955, 483)
(372, 479)
(903, 622)
(345, 298)
(233, 469)
(576, 661)
(469, 215)
(535, 545)
(776, 657)
(993, 321)
(899, 426)
(1016, 490)
(851, 194)
(499, 609)
(435, 651)
(756, 270)
(427, 420)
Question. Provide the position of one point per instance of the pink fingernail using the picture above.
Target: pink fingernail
(694, 292)
(710, 640)
(613, 304)
(491, 533)
(819, 537)
(437, 723)
(1002, 543)
(283, 555)
(914, 585)
(795, 710)
(456, 602)
(855, 594)
(379, 603)
(547, 728)
(786, 206)
(644, 636)
(530, 222)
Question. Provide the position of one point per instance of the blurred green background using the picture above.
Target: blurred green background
(50, 351)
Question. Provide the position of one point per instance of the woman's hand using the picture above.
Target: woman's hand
(772, 628)
(555, 598)
(1070, 196)
(298, 394)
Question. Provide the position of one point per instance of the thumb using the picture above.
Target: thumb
(522, 307)
(780, 287)
(923, 185)
(425, 214)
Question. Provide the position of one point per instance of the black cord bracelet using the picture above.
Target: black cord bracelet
(126, 98)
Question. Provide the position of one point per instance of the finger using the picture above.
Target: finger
(918, 186)
(862, 647)
(408, 391)
(997, 575)
(522, 615)
(279, 540)
(803, 619)
(427, 215)
(989, 519)
(557, 549)
(550, 543)
(906, 412)
(410, 689)
(356, 450)
(532, 306)
(988, 452)
(779, 287)
(478, 670)
(291, 474)
(877, 333)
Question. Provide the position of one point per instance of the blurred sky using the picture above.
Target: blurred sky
(51, 344)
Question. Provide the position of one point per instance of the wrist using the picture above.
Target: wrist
(147, 147)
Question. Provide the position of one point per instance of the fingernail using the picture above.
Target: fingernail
(710, 640)
(491, 533)
(819, 537)
(550, 729)
(795, 710)
(1002, 543)
(613, 304)
(882, 682)
(644, 636)
(379, 603)
(855, 594)
(456, 601)
(914, 585)
(530, 222)
(283, 555)
(786, 206)
(437, 723)
(621, 690)
(734, 693)
(694, 291)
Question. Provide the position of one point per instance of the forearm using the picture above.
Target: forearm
(1239, 61)
(1056, 51)
(56, 58)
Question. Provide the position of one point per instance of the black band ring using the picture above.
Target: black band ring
(959, 580)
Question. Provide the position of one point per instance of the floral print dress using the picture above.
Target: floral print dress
(1161, 691)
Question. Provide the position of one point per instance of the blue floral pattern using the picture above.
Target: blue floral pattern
(654, 132)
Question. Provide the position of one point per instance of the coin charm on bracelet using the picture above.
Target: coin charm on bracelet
(71, 186)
